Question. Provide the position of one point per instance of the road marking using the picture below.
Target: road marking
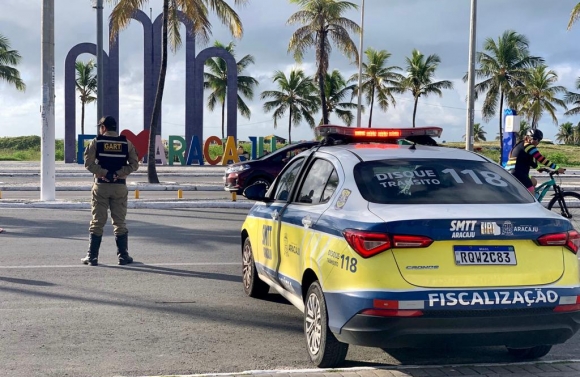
(377, 370)
(135, 266)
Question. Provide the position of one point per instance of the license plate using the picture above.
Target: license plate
(484, 255)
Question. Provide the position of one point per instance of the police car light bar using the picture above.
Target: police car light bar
(370, 134)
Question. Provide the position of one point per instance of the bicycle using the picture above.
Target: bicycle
(565, 203)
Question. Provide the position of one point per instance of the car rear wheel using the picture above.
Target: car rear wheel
(530, 353)
(253, 286)
(324, 349)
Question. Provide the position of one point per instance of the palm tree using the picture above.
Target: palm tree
(336, 90)
(297, 94)
(524, 128)
(378, 81)
(419, 79)
(573, 98)
(197, 12)
(566, 133)
(538, 94)
(217, 79)
(8, 59)
(503, 66)
(574, 15)
(323, 22)
(478, 133)
(86, 84)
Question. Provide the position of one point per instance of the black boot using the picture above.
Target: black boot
(92, 257)
(123, 249)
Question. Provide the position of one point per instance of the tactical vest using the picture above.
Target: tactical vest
(112, 153)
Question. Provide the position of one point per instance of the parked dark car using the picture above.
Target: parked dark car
(264, 169)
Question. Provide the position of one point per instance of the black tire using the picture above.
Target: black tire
(572, 201)
(529, 353)
(260, 180)
(253, 286)
(324, 350)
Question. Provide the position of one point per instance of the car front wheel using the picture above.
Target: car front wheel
(530, 353)
(253, 286)
(324, 349)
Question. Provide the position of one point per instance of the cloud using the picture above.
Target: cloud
(436, 27)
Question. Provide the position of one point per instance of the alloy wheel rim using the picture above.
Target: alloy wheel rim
(247, 266)
(313, 324)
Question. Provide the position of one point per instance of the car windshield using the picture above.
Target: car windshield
(438, 181)
(282, 153)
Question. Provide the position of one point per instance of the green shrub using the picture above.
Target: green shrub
(558, 158)
(20, 142)
(215, 151)
(492, 154)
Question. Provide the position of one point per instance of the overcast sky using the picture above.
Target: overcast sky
(398, 26)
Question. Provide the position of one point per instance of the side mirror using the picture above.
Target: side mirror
(256, 192)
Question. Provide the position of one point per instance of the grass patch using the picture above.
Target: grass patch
(563, 155)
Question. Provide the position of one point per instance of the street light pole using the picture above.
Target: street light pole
(360, 61)
(469, 137)
(47, 174)
(100, 90)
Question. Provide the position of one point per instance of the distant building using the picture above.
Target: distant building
(279, 140)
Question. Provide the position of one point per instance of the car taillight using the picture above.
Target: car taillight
(394, 308)
(568, 304)
(411, 241)
(367, 244)
(570, 240)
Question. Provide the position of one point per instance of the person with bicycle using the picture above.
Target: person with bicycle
(525, 155)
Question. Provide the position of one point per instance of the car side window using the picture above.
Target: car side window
(330, 188)
(319, 183)
(286, 180)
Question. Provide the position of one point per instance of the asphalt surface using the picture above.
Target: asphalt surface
(180, 309)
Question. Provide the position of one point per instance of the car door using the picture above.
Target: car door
(310, 200)
(269, 248)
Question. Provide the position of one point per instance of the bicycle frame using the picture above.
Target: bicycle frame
(542, 190)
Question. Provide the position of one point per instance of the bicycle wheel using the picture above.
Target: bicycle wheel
(570, 207)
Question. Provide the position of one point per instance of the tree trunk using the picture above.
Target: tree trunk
(372, 104)
(82, 117)
(322, 66)
(151, 168)
(290, 127)
(223, 118)
(322, 98)
(500, 126)
(415, 110)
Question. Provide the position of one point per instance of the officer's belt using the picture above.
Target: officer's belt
(118, 181)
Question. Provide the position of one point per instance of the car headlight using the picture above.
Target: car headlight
(237, 168)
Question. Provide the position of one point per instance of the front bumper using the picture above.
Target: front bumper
(515, 328)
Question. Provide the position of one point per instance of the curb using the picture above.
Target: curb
(131, 204)
(130, 187)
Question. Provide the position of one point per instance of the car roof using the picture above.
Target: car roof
(382, 151)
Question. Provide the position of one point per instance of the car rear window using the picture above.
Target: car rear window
(438, 181)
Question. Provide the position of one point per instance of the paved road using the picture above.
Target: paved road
(179, 310)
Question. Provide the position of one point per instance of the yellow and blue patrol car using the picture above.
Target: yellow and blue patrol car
(390, 245)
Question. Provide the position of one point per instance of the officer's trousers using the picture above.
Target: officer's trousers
(107, 196)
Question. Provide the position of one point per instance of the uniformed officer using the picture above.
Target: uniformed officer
(111, 158)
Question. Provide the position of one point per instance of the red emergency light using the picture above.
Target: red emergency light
(371, 134)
